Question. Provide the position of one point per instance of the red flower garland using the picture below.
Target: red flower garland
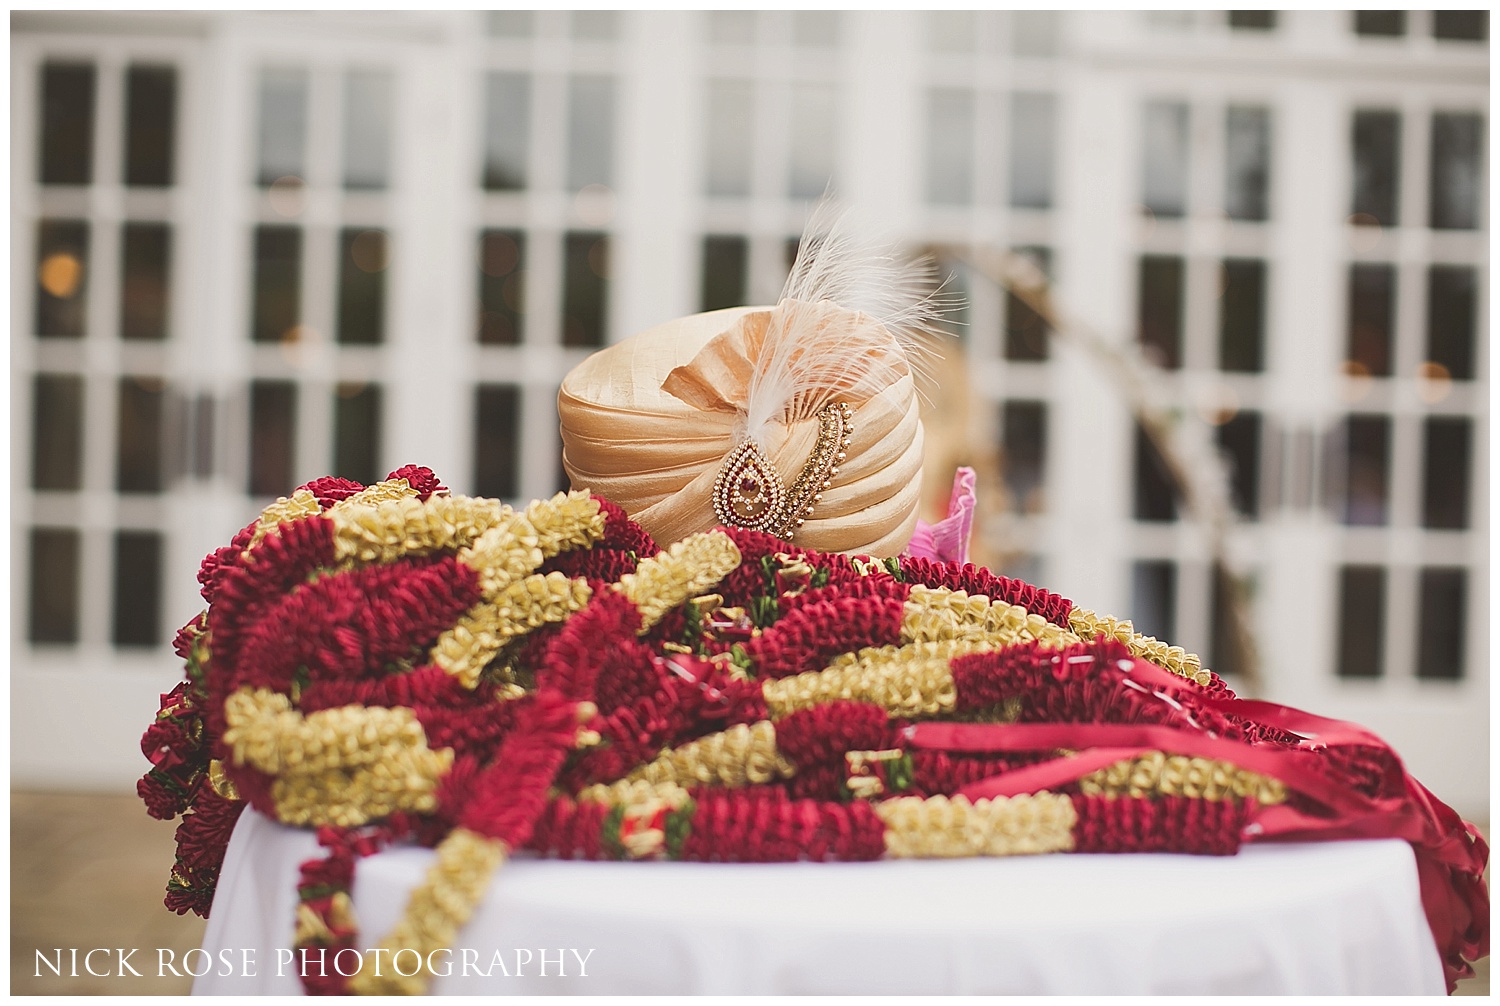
(282, 618)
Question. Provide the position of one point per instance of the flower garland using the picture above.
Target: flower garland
(394, 663)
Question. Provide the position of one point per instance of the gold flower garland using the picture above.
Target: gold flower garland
(1090, 626)
(940, 826)
(1156, 773)
(344, 766)
(745, 754)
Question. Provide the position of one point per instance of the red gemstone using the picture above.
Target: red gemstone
(749, 486)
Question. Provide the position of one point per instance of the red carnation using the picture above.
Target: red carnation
(419, 478)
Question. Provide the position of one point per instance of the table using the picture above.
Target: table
(1320, 918)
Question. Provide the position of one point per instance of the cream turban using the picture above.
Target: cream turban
(649, 423)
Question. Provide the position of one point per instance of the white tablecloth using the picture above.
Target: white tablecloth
(1337, 917)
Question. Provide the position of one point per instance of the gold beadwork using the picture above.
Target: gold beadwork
(749, 493)
(938, 826)
(743, 754)
(1155, 773)
(685, 570)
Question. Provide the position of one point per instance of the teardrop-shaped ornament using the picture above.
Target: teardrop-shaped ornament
(748, 491)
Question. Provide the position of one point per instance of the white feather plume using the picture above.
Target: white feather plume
(805, 362)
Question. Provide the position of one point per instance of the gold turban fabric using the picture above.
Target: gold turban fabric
(649, 422)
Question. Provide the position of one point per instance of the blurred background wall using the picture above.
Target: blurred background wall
(249, 249)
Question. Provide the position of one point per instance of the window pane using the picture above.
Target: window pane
(54, 585)
(1461, 25)
(150, 124)
(1034, 32)
(138, 452)
(62, 261)
(731, 137)
(137, 614)
(1367, 453)
(497, 441)
(356, 432)
(273, 433)
(1155, 496)
(1161, 310)
(1390, 23)
(201, 462)
(1377, 173)
(1442, 625)
(1372, 311)
(1023, 453)
(1456, 154)
(1451, 292)
(367, 129)
(1025, 331)
(815, 28)
(507, 130)
(1361, 621)
(57, 432)
(144, 268)
(1247, 148)
(67, 145)
(1153, 598)
(283, 125)
(1238, 440)
(1166, 158)
(724, 261)
(1242, 312)
(502, 287)
(950, 146)
(1445, 472)
(601, 25)
(1254, 20)
(814, 139)
(362, 264)
(585, 289)
(1224, 654)
(278, 283)
(1033, 119)
(591, 132)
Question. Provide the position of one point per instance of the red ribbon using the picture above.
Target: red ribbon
(1450, 853)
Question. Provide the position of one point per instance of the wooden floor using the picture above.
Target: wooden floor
(90, 871)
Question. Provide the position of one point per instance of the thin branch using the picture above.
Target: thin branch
(1202, 488)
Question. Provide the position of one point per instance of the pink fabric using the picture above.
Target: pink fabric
(948, 539)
